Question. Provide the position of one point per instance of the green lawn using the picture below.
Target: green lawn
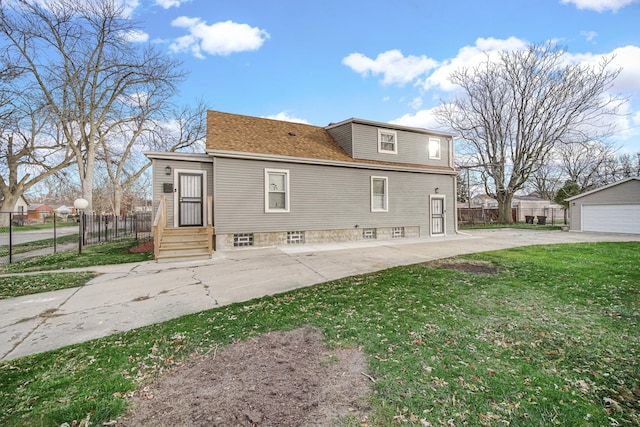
(552, 338)
(100, 254)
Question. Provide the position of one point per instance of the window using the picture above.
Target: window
(369, 233)
(379, 194)
(276, 190)
(434, 148)
(397, 232)
(243, 239)
(387, 141)
(295, 237)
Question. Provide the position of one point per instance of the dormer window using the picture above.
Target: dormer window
(434, 148)
(387, 141)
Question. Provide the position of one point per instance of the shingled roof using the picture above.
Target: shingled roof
(246, 134)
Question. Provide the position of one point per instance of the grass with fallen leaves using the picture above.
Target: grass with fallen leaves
(15, 286)
(551, 338)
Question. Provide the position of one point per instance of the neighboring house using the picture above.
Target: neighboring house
(530, 205)
(39, 212)
(534, 206)
(274, 182)
(614, 208)
(21, 207)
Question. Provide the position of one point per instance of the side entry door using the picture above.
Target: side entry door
(190, 199)
(437, 215)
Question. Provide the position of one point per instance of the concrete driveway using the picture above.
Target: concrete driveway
(128, 296)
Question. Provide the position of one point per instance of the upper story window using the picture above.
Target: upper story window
(434, 148)
(379, 194)
(387, 141)
(276, 190)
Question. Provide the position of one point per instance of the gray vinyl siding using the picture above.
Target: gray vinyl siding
(412, 147)
(323, 197)
(623, 194)
(343, 135)
(160, 178)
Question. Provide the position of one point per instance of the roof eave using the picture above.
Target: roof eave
(326, 162)
(391, 126)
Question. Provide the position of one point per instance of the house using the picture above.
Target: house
(614, 208)
(39, 212)
(264, 182)
(21, 207)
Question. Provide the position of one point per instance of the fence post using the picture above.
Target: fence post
(55, 240)
(80, 232)
(10, 238)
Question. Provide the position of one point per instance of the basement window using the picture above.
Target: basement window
(397, 232)
(295, 237)
(242, 239)
(369, 233)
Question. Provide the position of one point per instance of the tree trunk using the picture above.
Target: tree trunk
(87, 172)
(117, 199)
(8, 205)
(504, 199)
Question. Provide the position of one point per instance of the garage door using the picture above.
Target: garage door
(611, 218)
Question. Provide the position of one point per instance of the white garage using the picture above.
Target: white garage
(614, 208)
(611, 218)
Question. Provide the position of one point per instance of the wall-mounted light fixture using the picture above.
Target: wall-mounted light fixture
(167, 170)
(437, 188)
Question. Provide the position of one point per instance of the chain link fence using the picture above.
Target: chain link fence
(21, 238)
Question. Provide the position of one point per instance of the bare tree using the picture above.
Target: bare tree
(149, 128)
(583, 163)
(546, 180)
(32, 150)
(77, 53)
(516, 108)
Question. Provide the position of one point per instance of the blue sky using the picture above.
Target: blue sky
(326, 61)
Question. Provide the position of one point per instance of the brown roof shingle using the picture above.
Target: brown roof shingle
(247, 134)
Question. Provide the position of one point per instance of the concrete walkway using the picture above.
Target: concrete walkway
(127, 296)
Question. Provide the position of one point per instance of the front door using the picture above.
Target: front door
(437, 215)
(190, 199)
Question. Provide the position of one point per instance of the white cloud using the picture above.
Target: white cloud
(469, 56)
(136, 36)
(601, 5)
(166, 4)
(221, 38)
(416, 102)
(626, 58)
(129, 6)
(421, 119)
(286, 117)
(392, 64)
(589, 35)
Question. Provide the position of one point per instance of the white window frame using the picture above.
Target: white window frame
(435, 142)
(287, 192)
(386, 194)
(395, 141)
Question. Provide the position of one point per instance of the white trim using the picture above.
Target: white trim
(176, 201)
(395, 141)
(310, 161)
(444, 215)
(432, 142)
(386, 194)
(287, 192)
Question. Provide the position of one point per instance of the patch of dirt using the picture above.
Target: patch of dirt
(477, 267)
(276, 379)
(142, 247)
